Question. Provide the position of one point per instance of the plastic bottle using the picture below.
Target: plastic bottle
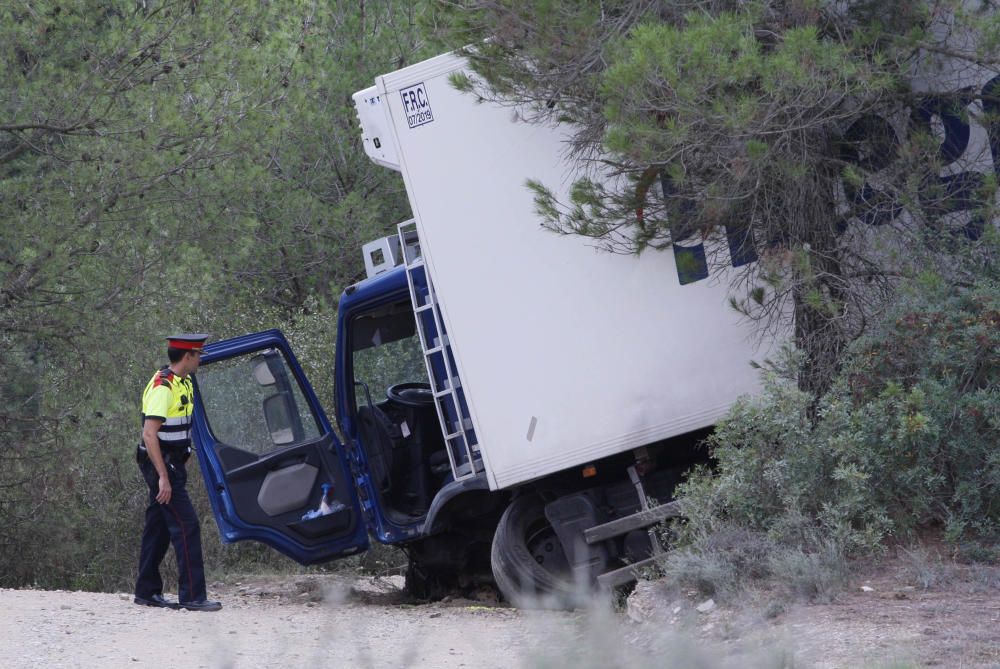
(324, 505)
(327, 504)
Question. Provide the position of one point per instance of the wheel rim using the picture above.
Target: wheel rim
(544, 546)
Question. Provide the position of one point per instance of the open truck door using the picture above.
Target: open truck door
(268, 454)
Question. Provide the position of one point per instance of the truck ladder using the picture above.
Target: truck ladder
(459, 433)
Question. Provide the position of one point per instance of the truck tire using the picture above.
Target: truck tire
(529, 565)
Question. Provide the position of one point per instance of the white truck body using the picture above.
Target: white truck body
(567, 354)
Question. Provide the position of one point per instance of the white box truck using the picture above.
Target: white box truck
(512, 402)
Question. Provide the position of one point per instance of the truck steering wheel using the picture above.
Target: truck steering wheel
(415, 395)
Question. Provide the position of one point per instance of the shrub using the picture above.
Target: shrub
(908, 437)
(776, 474)
(926, 390)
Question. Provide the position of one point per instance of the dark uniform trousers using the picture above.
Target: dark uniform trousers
(176, 523)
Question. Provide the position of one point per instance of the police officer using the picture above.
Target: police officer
(167, 403)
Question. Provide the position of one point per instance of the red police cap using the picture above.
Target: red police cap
(187, 342)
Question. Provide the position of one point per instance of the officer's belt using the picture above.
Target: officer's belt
(170, 451)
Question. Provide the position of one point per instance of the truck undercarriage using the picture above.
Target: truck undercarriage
(557, 541)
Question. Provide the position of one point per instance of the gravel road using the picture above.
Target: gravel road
(301, 623)
(333, 622)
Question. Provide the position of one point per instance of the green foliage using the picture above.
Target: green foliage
(776, 474)
(928, 382)
(907, 439)
(714, 99)
(165, 165)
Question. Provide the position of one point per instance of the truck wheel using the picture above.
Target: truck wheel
(529, 565)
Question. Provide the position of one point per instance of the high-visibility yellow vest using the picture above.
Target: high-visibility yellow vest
(170, 398)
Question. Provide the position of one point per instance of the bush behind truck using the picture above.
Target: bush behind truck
(516, 406)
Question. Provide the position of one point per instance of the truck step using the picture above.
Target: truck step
(636, 521)
(459, 433)
(626, 574)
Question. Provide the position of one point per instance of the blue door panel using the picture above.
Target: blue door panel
(268, 453)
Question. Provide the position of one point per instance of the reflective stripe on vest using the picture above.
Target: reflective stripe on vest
(175, 430)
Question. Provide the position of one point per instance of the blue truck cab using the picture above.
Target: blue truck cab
(267, 448)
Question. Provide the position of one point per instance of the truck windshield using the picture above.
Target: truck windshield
(386, 351)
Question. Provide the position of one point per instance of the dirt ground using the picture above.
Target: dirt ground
(901, 615)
